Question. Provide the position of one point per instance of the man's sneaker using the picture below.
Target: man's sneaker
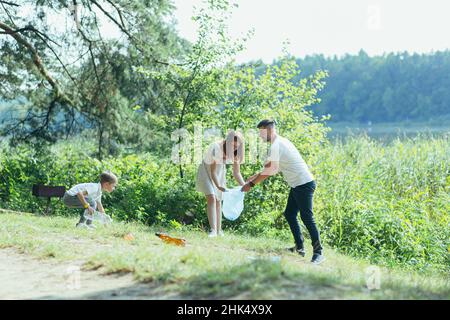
(300, 251)
(220, 233)
(317, 258)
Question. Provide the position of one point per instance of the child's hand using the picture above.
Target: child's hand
(90, 210)
(221, 189)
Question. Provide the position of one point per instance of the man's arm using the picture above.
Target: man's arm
(270, 168)
(252, 177)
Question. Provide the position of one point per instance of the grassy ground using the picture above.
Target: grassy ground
(232, 267)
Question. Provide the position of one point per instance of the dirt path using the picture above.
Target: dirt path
(24, 277)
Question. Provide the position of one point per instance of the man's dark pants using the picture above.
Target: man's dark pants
(301, 199)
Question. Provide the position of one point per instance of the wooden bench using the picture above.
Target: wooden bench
(49, 192)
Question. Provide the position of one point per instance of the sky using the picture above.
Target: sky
(332, 27)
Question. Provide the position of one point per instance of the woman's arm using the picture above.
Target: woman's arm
(214, 177)
(237, 173)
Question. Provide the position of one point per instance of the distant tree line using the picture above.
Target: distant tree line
(389, 88)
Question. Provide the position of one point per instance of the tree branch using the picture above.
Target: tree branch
(119, 12)
(8, 14)
(39, 33)
(91, 54)
(37, 62)
(9, 3)
(124, 30)
(44, 37)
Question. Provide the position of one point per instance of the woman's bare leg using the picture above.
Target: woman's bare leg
(211, 209)
(218, 216)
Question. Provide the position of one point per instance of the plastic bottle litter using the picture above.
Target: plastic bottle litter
(233, 203)
(171, 240)
(128, 237)
(102, 218)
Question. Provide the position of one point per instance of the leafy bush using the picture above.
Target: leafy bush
(388, 203)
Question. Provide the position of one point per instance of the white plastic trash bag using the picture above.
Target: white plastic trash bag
(102, 218)
(233, 203)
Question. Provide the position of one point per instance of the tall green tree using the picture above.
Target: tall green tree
(76, 76)
(198, 77)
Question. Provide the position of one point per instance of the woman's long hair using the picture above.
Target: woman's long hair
(238, 154)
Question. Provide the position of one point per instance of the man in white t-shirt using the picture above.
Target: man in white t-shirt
(283, 156)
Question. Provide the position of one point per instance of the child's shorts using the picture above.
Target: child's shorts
(74, 202)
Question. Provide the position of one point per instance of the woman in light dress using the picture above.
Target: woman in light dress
(211, 175)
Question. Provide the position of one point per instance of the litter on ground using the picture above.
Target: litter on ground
(171, 240)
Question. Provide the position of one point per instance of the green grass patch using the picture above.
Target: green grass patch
(232, 267)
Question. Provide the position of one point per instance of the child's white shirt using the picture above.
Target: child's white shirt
(94, 190)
